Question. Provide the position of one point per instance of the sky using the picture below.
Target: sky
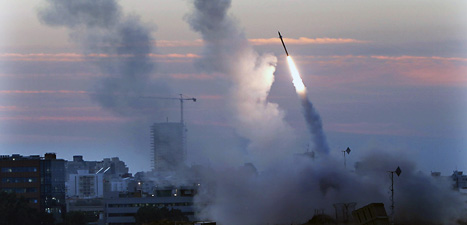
(386, 75)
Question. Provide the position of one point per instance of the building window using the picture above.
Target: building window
(20, 190)
(18, 169)
(19, 180)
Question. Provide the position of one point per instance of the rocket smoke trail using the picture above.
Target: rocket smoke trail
(250, 77)
(315, 125)
(312, 117)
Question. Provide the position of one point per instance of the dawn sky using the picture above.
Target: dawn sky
(389, 75)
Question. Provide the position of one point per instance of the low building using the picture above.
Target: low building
(41, 180)
(92, 208)
(122, 210)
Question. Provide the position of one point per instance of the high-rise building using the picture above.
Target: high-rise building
(168, 146)
(41, 180)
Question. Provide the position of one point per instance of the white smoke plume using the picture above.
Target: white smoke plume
(227, 51)
(290, 191)
(100, 27)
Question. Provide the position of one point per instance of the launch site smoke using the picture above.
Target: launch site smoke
(287, 191)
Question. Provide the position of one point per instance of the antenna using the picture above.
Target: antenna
(398, 172)
(348, 152)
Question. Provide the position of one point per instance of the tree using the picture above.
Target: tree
(149, 214)
(75, 218)
(16, 210)
(321, 219)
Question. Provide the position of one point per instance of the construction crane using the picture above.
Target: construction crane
(181, 103)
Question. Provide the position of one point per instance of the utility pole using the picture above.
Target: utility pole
(398, 173)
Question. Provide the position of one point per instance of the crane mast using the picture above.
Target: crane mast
(181, 106)
(181, 103)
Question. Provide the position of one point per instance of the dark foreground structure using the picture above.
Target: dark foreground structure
(41, 180)
(372, 214)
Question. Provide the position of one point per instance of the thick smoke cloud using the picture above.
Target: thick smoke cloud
(315, 125)
(419, 198)
(124, 43)
(292, 192)
(251, 75)
(289, 190)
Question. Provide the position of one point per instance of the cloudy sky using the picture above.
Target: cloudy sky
(386, 75)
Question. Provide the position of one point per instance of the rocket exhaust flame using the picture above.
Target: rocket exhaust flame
(296, 79)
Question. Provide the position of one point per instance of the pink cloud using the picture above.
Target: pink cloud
(430, 70)
(192, 76)
(13, 108)
(305, 41)
(9, 108)
(63, 118)
(42, 92)
(74, 57)
(264, 41)
(173, 55)
(386, 70)
(22, 138)
(179, 43)
(212, 97)
(371, 128)
(60, 57)
(418, 58)
(210, 123)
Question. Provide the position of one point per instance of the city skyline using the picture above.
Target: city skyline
(388, 76)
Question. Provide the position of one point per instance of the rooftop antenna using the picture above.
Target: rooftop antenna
(398, 172)
(348, 152)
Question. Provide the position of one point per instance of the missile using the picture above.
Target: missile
(280, 36)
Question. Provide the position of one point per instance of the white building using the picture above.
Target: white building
(85, 185)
